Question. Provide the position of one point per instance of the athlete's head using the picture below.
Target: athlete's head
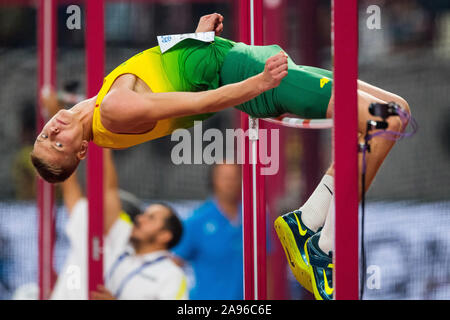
(158, 226)
(59, 147)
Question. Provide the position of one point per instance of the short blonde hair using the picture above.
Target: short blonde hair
(53, 173)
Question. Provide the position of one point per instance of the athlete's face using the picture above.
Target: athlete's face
(149, 227)
(61, 139)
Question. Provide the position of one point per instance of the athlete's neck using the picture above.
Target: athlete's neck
(85, 112)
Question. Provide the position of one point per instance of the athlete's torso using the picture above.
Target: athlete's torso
(190, 66)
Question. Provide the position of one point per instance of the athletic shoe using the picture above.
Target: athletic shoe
(293, 235)
(320, 268)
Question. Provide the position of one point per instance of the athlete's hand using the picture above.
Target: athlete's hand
(211, 22)
(274, 71)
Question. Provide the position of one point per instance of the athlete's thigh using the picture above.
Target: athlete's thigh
(305, 92)
(381, 93)
(364, 100)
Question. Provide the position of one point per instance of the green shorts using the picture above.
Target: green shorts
(193, 65)
(305, 91)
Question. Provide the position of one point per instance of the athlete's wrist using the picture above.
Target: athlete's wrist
(261, 83)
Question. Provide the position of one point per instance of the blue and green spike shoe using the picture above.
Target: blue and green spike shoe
(320, 268)
(293, 235)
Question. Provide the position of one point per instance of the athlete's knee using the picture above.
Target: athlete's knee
(399, 123)
(403, 104)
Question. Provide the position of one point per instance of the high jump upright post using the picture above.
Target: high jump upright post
(345, 46)
(95, 61)
(46, 36)
(253, 186)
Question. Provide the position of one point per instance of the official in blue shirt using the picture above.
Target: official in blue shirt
(212, 239)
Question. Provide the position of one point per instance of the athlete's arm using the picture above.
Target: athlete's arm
(124, 109)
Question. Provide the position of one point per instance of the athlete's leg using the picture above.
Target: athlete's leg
(318, 210)
(366, 87)
(318, 252)
(313, 212)
(322, 244)
(326, 240)
(315, 209)
(296, 227)
(380, 146)
(382, 94)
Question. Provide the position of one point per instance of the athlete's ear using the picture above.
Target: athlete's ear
(81, 154)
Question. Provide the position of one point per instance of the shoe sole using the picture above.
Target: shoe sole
(287, 239)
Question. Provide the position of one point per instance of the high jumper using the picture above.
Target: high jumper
(153, 93)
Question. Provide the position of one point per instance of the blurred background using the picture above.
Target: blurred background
(408, 214)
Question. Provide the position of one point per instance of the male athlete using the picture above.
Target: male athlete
(154, 93)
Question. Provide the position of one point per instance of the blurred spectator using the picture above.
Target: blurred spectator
(212, 239)
(3, 286)
(17, 25)
(445, 136)
(22, 170)
(136, 257)
(23, 174)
